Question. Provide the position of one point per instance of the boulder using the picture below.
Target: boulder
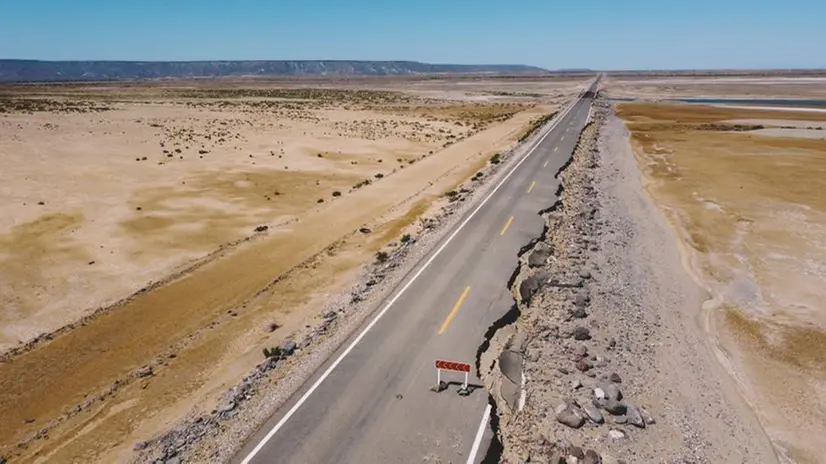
(606, 390)
(616, 434)
(144, 371)
(539, 255)
(570, 415)
(592, 457)
(527, 288)
(593, 414)
(581, 333)
(288, 347)
(647, 417)
(634, 416)
(614, 407)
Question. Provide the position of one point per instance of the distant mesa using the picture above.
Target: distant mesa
(42, 71)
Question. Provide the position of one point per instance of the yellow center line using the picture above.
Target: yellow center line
(507, 224)
(532, 184)
(545, 165)
(454, 311)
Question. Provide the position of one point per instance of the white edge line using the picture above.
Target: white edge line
(355, 342)
(477, 442)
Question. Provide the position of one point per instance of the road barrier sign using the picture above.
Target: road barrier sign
(455, 367)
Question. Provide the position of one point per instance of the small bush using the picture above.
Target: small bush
(451, 194)
(382, 256)
(405, 238)
(379, 176)
(496, 159)
(336, 193)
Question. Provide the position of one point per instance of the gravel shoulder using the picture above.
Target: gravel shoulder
(616, 363)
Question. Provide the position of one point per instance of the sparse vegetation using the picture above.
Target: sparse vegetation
(405, 238)
(382, 257)
(536, 124)
(496, 159)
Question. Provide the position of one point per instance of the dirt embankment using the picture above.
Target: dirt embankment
(750, 215)
(605, 360)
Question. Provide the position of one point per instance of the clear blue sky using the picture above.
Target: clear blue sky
(603, 34)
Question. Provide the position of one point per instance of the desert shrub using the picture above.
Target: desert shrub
(405, 238)
(382, 256)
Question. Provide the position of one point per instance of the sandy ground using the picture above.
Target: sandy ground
(749, 210)
(176, 228)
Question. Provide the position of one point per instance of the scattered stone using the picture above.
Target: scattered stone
(614, 407)
(616, 434)
(612, 343)
(647, 417)
(557, 458)
(634, 416)
(173, 460)
(620, 420)
(569, 414)
(579, 313)
(582, 333)
(585, 274)
(583, 365)
(581, 351)
(527, 288)
(593, 414)
(144, 371)
(581, 299)
(576, 452)
(288, 347)
(227, 404)
(562, 370)
(539, 255)
(576, 384)
(592, 457)
(607, 390)
(614, 377)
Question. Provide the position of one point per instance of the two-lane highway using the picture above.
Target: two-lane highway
(371, 402)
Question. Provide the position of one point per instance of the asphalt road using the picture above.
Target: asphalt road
(371, 402)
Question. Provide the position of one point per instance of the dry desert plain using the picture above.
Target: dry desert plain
(743, 188)
(186, 225)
